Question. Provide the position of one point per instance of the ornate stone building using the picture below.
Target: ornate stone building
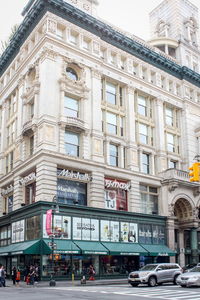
(106, 124)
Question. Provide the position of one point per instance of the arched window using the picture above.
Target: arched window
(72, 74)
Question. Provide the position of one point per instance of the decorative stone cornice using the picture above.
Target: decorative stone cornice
(100, 29)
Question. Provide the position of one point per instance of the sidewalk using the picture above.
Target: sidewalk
(70, 283)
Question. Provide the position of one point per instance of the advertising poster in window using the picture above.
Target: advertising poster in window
(161, 235)
(71, 192)
(116, 194)
(18, 231)
(76, 228)
(114, 229)
(141, 234)
(90, 229)
(129, 232)
(110, 199)
(155, 234)
(10, 203)
(62, 227)
(86, 229)
(95, 230)
(105, 231)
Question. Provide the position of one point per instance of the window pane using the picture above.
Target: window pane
(71, 74)
(72, 138)
(71, 107)
(142, 106)
(143, 133)
(111, 118)
(111, 93)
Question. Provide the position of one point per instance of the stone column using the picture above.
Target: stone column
(132, 156)
(181, 259)
(96, 194)
(194, 246)
(18, 196)
(160, 136)
(171, 236)
(46, 183)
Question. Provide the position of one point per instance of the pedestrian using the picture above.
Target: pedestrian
(2, 277)
(13, 276)
(91, 272)
(32, 275)
(18, 277)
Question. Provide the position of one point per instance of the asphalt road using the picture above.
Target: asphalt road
(103, 292)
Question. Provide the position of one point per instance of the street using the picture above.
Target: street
(100, 292)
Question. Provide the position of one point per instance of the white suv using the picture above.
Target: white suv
(153, 274)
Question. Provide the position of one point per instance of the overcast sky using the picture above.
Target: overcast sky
(130, 15)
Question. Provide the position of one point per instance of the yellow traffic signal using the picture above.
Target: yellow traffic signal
(195, 172)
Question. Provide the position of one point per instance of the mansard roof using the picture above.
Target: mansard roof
(97, 27)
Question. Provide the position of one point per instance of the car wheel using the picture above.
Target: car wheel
(175, 279)
(152, 281)
(183, 285)
(134, 284)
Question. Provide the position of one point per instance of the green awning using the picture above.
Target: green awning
(4, 251)
(30, 247)
(159, 250)
(63, 246)
(92, 248)
(125, 248)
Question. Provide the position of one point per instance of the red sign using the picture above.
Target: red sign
(49, 222)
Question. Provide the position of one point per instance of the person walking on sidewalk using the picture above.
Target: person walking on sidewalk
(2, 276)
(18, 277)
(91, 272)
(13, 276)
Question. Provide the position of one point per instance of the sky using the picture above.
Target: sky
(130, 15)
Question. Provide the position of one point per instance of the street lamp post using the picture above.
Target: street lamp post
(55, 209)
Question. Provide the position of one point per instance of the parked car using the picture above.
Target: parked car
(188, 267)
(153, 274)
(191, 278)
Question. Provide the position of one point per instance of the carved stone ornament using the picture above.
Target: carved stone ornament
(171, 210)
(48, 53)
(51, 26)
(195, 212)
(172, 187)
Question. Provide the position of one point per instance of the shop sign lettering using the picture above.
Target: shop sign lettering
(27, 179)
(163, 254)
(129, 253)
(7, 190)
(74, 175)
(117, 184)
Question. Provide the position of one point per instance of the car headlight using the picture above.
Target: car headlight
(195, 278)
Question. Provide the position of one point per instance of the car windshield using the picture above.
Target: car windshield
(148, 268)
(195, 269)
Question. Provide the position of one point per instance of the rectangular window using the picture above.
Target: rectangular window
(170, 142)
(143, 134)
(145, 234)
(169, 116)
(111, 91)
(30, 191)
(113, 155)
(71, 192)
(31, 144)
(145, 163)
(33, 222)
(172, 164)
(72, 143)
(111, 123)
(142, 105)
(149, 199)
(109, 231)
(73, 37)
(71, 107)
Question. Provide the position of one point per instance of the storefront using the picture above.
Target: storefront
(114, 242)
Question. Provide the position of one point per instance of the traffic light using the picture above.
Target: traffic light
(195, 172)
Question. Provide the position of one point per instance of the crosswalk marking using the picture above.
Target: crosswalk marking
(156, 293)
